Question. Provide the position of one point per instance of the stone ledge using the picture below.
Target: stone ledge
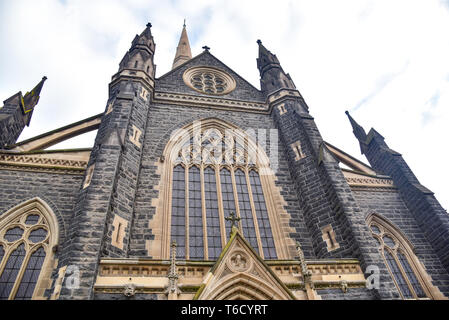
(40, 163)
(183, 99)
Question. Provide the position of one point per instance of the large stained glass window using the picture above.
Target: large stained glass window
(399, 260)
(213, 176)
(24, 245)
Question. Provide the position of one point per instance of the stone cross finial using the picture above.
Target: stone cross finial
(234, 220)
(206, 48)
(232, 217)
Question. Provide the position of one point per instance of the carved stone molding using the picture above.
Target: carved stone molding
(42, 161)
(361, 180)
(370, 182)
(42, 164)
(274, 97)
(150, 276)
(176, 98)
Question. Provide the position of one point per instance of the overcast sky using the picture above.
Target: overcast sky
(386, 61)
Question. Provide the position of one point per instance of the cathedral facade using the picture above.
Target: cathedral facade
(201, 186)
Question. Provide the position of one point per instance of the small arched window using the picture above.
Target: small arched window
(408, 275)
(28, 234)
(213, 176)
(136, 64)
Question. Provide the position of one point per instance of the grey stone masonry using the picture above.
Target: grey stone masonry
(87, 227)
(115, 160)
(123, 200)
(163, 120)
(325, 194)
(113, 185)
(389, 204)
(114, 209)
(172, 81)
(429, 214)
(307, 179)
(58, 190)
(351, 294)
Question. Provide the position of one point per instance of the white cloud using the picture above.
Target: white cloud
(385, 59)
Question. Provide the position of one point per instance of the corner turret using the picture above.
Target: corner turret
(16, 114)
(140, 56)
(272, 76)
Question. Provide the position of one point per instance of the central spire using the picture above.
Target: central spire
(183, 52)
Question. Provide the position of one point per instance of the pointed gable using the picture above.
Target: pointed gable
(173, 81)
(241, 274)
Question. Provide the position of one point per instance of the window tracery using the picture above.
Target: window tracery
(27, 237)
(209, 80)
(215, 174)
(401, 262)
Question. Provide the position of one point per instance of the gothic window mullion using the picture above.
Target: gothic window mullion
(264, 224)
(236, 198)
(398, 277)
(412, 278)
(186, 212)
(19, 278)
(228, 193)
(404, 274)
(2, 254)
(213, 232)
(195, 226)
(10, 273)
(246, 213)
(253, 209)
(178, 210)
(30, 271)
(220, 205)
(203, 213)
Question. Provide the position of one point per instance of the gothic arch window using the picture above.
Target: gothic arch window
(28, 234)
(215, 170)
(405, 269)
